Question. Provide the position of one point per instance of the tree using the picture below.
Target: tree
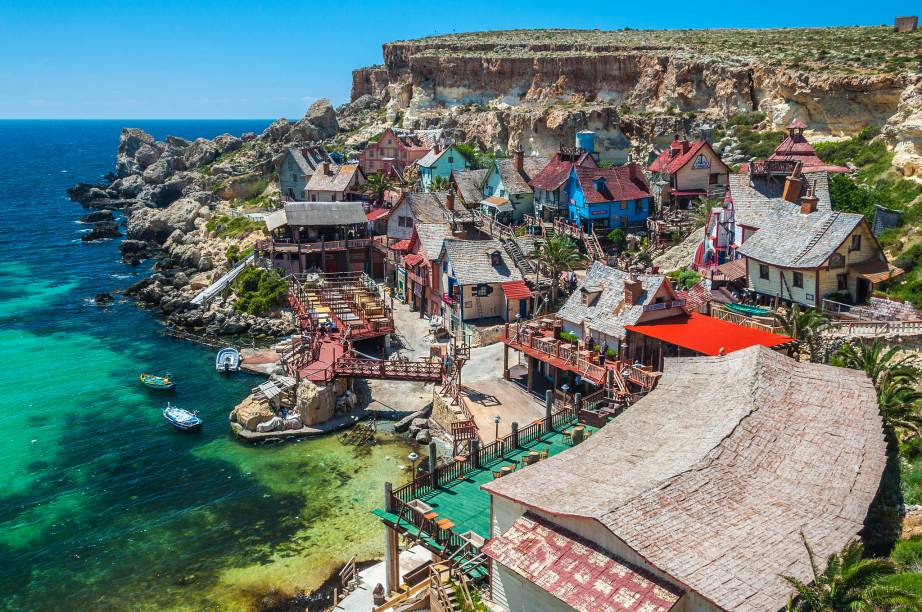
(617, 238)
(849, 582)
(438, 183)
(804, 325)
(895, 376)
(411, 176)
(558, 254)
(877, 362)
(377, 184)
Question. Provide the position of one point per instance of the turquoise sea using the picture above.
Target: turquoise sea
(102, 505)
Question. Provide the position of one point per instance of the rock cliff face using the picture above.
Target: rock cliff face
(535, 89)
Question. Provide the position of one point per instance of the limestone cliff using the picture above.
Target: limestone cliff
(536, 88)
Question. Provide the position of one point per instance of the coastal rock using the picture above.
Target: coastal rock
(103, 299)
(200, 152)
(167, 193)
(161, 170)
(176, 144)
(137, 287)
(158, 224)
(423, 437)
(227, 143)
(131, 140)
(102, 231)
(251, 412)
(147, 155)
(129, 186)
(180, 280)
(322, 116)
(97, 216)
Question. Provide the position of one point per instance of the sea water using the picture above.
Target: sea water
(102, 504)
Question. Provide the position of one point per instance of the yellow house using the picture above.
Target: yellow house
(691, 170)
(804, 256)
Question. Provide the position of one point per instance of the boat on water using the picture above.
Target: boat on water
(157, 382)
(181, 418)
(227, 360)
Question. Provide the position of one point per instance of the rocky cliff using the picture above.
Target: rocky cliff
(535, 89)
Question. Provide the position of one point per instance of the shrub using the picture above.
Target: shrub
(685, 278)
(569, 336)
(224, 226)
(259, 290)
(617, 238)
(234, 254)
(908, 553)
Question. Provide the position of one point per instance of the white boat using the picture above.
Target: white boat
(228, 360)
(180, 418)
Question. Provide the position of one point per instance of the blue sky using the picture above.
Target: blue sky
(237, 59)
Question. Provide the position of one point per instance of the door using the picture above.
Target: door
(862, 290)
(523, 307)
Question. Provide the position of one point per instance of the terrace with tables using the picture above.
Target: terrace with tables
(349, 300)
(447, 512)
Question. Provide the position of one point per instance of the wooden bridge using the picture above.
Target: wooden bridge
(389, 369)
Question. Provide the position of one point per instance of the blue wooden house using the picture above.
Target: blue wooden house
(440, 162)
(607, 198)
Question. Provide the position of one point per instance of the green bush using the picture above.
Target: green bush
(234, 254)
(259, 290)
(617, 238)
(685, 278)
(225, 226)
(908, 553)
(911, 477)
(569, 336)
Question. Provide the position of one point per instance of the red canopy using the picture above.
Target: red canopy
(707, 335)
(516, 290)
(401, 245)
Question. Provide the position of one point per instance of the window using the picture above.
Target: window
(371, 152)
(714, 178)
(638, 206)
(842, 282)
(624, 205)
(856, 243)
(294, 177)
(763, 272)
(799, 280)
(451, 159)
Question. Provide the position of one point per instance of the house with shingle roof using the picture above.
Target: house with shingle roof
(394, 149)
(420, 267)
(690, 170)
(508, 195)
(550, 184)
(297, 167)
(805, 255)
(699, 494)
(473, 274)
(332, 183)
(602, 199)
(468, 185)
(440, 161)
(795, 147)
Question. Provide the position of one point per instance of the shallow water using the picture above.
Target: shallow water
(102, 504)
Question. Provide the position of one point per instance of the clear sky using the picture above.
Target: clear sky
(252, 59)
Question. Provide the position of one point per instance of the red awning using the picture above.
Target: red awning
(401, 245)
(516, 290)
(707, 335)
(689, 193)
(413, 259)
(376, 213)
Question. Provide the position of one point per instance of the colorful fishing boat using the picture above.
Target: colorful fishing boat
(180, 418)
(157, 382)
(227, 360)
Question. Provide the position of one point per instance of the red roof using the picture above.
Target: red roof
(577, 572)
(556, 172)
(685, 151)
(707, 335)
(401, 245)
(797, 148)
(516, 290)
(619, 185)
(797, 124)
(413, 259)
(376, 213)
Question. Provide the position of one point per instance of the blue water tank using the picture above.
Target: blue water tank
(586, 140)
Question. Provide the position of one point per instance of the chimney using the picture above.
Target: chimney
(450, 199)
(518, 160)
(437, 147)
(633, 290)
(326, 168)
(633, 171)
(808, 202)
(792, 185)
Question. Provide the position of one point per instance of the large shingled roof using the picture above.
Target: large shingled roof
(799, 240)
(712, 477)
(757, 199)
(470, 262)
(514, 181)
(600, 314)
(317, 213)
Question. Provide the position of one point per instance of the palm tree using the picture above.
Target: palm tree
(377, 184)
(849, 583)
(878, 363)
(900, 403)
(804, 325)
(558, 254)
(438, 183)
(411, 176)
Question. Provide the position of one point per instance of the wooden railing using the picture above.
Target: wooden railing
(557, 349)
(422, 370)
(452, 469)
(287, 246)
(877, 328)
(643, 378)
(719, 312)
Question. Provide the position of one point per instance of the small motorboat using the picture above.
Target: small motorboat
(157, 382)
(180, 418)
(228, 360)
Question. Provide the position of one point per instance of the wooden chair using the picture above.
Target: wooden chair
(568, 436)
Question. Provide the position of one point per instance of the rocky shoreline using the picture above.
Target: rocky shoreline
(168, 190)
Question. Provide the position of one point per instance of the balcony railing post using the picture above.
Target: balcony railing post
(433, 462)
(515, 434)
(475, 452)
(548, 408)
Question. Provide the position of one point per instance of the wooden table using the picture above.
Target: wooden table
(461, 459)
(506, 469)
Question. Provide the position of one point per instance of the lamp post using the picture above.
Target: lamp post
(566, 392)
(496, 421)
(413, 457)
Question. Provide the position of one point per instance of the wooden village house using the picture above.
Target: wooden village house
(508, 196)
(395, 149)
(297, 167)
(332, 183)
(602, 199)
(551, 184)
(688, 171)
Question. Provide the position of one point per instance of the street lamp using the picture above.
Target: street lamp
(413, 457)
(566, 392)
(496, 421)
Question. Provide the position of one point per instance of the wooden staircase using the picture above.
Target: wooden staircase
(592, 246)
(518, 257)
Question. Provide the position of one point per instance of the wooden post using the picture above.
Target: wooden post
(548, 408)
(475, 452)
(515, 434)
(531, 373)
(433, 462)
(506, 361)
(391, 551)
(578, 402)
